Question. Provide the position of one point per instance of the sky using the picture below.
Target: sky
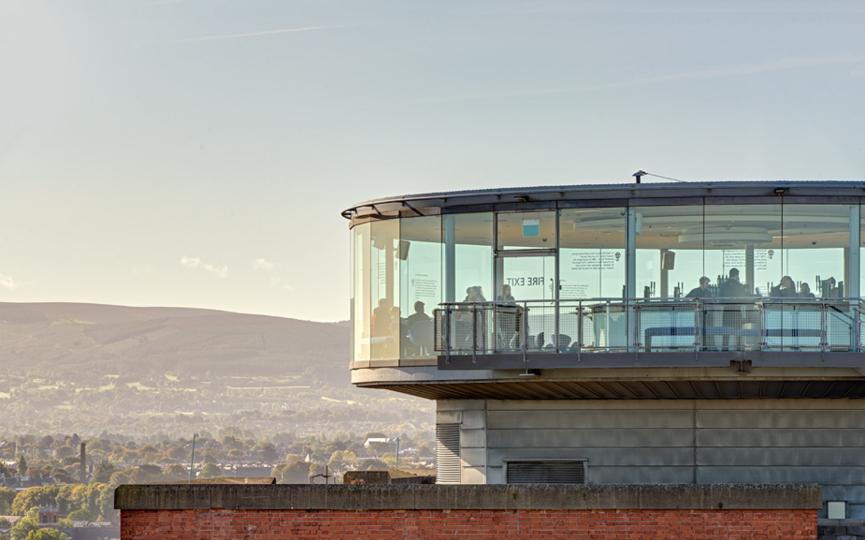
(197, 153)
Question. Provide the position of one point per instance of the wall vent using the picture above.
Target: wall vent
(547, 472)
(447, 453)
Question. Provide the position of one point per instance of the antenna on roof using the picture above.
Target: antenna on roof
(640, 174)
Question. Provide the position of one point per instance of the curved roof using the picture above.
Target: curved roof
(650, 193)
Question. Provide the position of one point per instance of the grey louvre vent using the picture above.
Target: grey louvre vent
(546, 472)
(447, 453)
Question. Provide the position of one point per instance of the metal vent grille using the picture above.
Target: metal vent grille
(447, 453)
(547, 472)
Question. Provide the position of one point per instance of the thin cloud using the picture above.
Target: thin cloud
(272, 269)
(8, 282)
(666, 8)
(195, 262)
(254, 34)
(750, 69)
(716, 73)
(265, 265)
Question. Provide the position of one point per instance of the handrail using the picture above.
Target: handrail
(649, 324)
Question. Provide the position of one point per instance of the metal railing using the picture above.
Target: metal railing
(649, 325)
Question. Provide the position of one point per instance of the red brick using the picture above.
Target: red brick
(469, 524)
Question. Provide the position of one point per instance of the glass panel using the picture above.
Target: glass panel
(384, 290)
(742, 248)
(421, 283)
(592, 253)
(670, 252)
(816, 241)
(473, 254)
(361, 307)
(526, 278)
(527, 230)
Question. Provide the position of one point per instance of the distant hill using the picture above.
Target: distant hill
(69, 339)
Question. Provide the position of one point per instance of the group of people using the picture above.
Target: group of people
(392, 330)
(732, 287)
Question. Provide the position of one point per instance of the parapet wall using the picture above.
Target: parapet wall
(276, 512)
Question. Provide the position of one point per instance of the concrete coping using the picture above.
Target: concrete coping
(470, 497)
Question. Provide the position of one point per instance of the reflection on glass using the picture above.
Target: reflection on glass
(421, 283)
(527, 230)
(360, 287)
(669, 258)
(743, 240)
(385, 328)
(592, 253)
(473, 253)
(816, 238)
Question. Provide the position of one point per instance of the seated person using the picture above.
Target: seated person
(702, 291)
(418, 315)
(805, 291)
(785, 289)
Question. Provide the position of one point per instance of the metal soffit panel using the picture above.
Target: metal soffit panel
(628, 390)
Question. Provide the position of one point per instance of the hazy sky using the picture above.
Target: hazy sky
(198, 152)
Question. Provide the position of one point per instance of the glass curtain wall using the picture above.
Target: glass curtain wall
(592, 253)
(360, 287)
(743, 241)
(526, 230)
(669, 254)
(421, 284)
(816, 247)
(468, 256)
(385, 327)
(403, 268)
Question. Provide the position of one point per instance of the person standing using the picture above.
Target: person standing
(702, 291)
(733, 317)
(506, 318)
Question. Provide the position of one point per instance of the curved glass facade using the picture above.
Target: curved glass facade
(403, 268)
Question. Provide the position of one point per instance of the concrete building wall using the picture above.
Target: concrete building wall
(472, 417)
(675, 441)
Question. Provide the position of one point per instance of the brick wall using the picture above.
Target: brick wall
(470, 524)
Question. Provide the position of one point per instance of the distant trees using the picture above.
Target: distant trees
(22, 465)
(175, 472)
(210, 470)
(64, 451)
(103, 471)
(27, 528)
(45, 534)
(267, 451)
(26, 525)
(6, 497)
(294, 473)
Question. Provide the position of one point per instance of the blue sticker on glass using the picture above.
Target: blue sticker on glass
(531, 228)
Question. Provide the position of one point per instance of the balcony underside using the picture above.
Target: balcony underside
(551, 360)
(536, 387)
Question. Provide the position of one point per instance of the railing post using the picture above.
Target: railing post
(579, 331)
(697, 327)
(495, 333)
(474, 333)
(525, 331)
(447, 334)
(764, 326)
(824, 327)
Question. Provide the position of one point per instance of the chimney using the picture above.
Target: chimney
(82, 474)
